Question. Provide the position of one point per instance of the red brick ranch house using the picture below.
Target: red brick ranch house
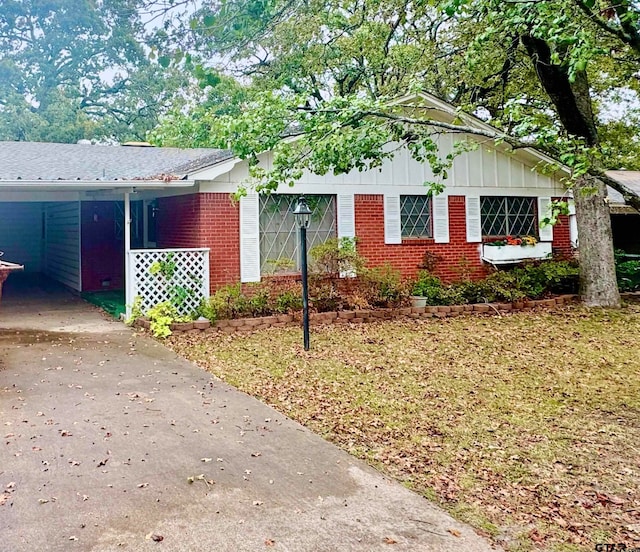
(97, 217)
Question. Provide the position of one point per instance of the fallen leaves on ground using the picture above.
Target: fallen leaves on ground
(524, 426)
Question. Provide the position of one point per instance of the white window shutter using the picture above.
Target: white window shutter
(346, 216)
(441, 218)
(546, 233)
(474, 221)
(249, 238)
(392, 222)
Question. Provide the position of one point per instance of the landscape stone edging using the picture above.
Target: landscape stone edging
(363, 316)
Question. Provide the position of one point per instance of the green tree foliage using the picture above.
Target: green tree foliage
(542, 72)
(73, 69)
(471, 53)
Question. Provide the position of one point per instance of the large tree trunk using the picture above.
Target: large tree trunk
(572, 100)
(598, 286)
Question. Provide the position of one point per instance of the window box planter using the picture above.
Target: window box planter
(505, 254)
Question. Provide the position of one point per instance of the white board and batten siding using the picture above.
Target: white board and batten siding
(21, 237)
(484, 171)
(62, 243)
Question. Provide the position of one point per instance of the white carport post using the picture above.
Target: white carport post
(128, 283)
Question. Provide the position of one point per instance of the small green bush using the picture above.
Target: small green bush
(324, 293)
(384, 286)
(259, 299)
(550, 277)
(227, 302)
(288, 301)
(336, 256)
(430, 287)
(627, 272)
(504, 285)
(160, 317)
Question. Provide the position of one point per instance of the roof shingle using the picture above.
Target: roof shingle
(53, 162)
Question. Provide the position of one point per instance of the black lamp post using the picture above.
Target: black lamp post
(302, 214)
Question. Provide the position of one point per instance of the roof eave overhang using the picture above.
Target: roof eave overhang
(214, 171)
(82, 185)
(622, 209)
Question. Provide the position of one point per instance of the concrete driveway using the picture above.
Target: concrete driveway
(111, 442)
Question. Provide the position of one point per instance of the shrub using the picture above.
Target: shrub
(474, 292)
(627, 272)
(324, 293)
(429, 286)
(503, 285)
(335, 257)
(531, 280)
(540, 278)
(227, 302)
(259, 299)
(288, 301)
(383, 286)
(160, 317)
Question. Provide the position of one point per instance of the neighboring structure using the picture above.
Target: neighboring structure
(63, 210)
(625, 220)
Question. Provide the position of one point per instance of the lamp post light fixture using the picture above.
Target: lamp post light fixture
(302, 214)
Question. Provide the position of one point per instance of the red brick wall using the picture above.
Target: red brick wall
(178, 221)
(213, 220)
(561, 236)
(204, 220)
(455, 260)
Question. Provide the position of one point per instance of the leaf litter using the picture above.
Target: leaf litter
(524, 426)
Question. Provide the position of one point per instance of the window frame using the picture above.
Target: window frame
(403, 223)
(533, 201)
(269, 265)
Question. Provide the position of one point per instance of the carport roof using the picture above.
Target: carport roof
(630, 179)
(51, 162)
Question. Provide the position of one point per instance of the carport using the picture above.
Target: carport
(83, 215)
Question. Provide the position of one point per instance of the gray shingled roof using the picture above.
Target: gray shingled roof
(631, 179)
(48, 161)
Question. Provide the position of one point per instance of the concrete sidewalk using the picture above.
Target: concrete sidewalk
(103, 429)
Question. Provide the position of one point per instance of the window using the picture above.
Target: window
(415, 216)
(279, 233)
(508, 216)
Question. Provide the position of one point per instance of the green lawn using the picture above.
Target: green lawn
(525, 425)
(111, 301)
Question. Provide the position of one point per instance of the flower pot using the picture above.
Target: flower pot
(417, 301)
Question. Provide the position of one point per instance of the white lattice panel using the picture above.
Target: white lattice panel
(185, 288)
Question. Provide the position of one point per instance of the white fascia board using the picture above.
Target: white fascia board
(37, 196)
(214, 171)
(379, 189)
(80, 185)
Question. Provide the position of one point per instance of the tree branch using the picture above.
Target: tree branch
(630, 197)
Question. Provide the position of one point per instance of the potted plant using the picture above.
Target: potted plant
(425, 289)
